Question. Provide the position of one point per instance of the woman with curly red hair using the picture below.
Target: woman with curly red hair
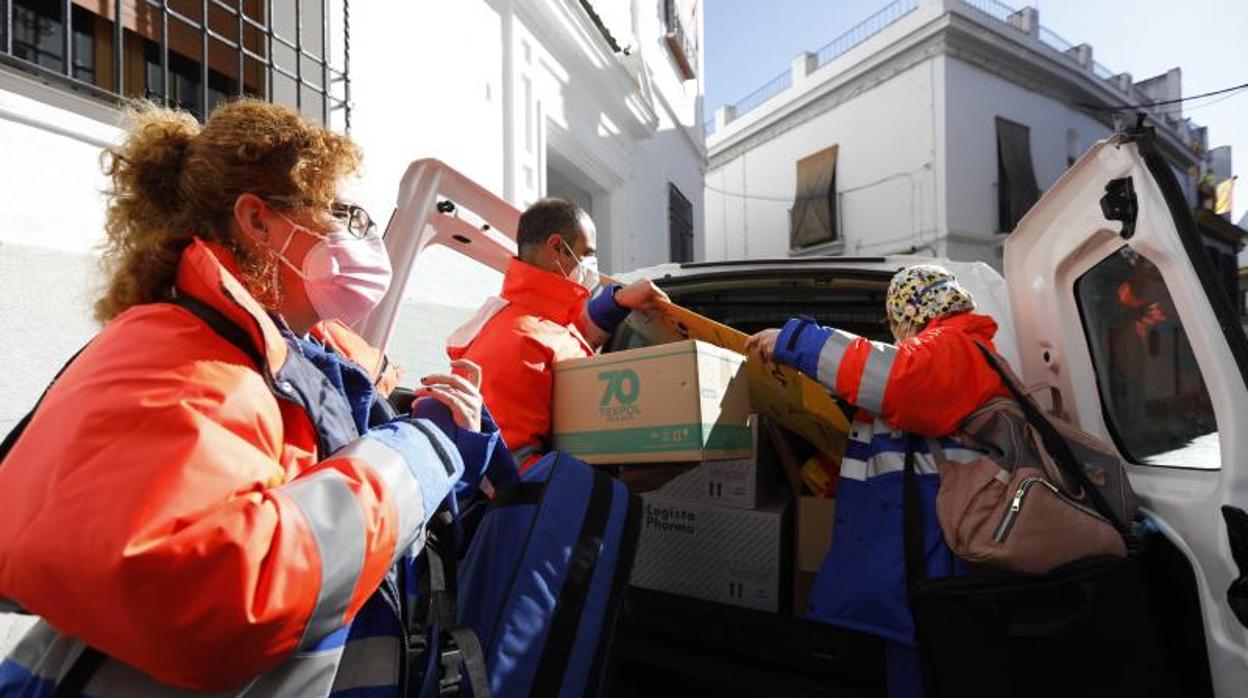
(213, 495)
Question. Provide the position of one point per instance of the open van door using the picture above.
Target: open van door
(1121, 314)
(438, 205)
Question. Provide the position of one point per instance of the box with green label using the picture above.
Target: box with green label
(680, 402)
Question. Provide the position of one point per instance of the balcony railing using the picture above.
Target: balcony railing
(864, 30)
(997, 10)
(770, 89)
(1002, 13)
(1054, 41)
(829, 52)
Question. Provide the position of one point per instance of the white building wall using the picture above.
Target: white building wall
(532, 87)
(917, 162)
(888, 141)
(975, 98)
(51, 223)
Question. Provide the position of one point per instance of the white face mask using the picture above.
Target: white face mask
(585, 272)
(345, 277)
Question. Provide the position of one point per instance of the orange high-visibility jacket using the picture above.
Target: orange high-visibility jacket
(924, 385)
(541, 318)
(167, 508)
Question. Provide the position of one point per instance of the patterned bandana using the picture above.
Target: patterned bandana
(922, 293)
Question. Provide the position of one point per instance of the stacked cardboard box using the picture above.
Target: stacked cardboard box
(727, 515)
(717, 530)
(681, 402)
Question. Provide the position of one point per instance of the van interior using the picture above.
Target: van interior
(674, 645)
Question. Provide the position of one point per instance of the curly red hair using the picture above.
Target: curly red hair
(173, 179)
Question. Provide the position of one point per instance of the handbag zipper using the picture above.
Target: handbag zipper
(1011, 515)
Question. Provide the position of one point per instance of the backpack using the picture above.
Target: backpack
(544, 575)
(1044, 494)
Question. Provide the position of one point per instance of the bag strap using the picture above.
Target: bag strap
(79, 673)
(219, 323)
(90, 659)
(518, 494)
(911, 521)
(471, 658)
(11, 439)
(561, 638)
(1056, 446)
(222, 325)
(460, 652)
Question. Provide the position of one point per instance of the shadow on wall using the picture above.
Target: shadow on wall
(45, 310)
(628, 178)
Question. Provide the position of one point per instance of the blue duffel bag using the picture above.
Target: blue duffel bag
(516, 592)
(543, 577)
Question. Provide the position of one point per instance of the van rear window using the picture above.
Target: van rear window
(1152, 392)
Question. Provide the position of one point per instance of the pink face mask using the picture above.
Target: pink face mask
(345, 276)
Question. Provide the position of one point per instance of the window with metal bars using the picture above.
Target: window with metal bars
(193, 54)
(680, 225)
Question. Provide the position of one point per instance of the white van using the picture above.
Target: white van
(1108, 305)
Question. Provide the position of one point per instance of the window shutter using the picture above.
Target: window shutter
(1017, 191)
(813, 217)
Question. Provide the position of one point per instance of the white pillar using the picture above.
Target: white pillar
(803, 64)
(1122, 81)
(1026, 20)
(1082, 54)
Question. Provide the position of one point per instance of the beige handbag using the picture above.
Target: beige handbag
(1044, 494)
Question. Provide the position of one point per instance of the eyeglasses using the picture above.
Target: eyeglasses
(352, 217)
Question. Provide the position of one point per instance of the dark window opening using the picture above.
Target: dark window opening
(211, 51)
(38, 37)
(680, 225)
(1017, 191)
(812, 220)
(184, 75)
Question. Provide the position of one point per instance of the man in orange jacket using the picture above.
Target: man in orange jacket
(551, 309)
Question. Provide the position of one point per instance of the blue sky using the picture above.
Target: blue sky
(748, 42)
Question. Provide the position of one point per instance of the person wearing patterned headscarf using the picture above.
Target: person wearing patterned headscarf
(922, 293)
(923, 385)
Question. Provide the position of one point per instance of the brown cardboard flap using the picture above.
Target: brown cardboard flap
(815, 518)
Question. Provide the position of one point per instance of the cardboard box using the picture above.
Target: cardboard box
(741, 484)
(782, 393)
(731, 556)
(815, 519)
(687, 401)
(813, 539)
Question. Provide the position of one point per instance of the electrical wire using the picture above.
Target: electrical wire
(1188, 110)
(1164, 102)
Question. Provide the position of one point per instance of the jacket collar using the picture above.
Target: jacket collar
(542, 293)
(981, 327)
(208, 273)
